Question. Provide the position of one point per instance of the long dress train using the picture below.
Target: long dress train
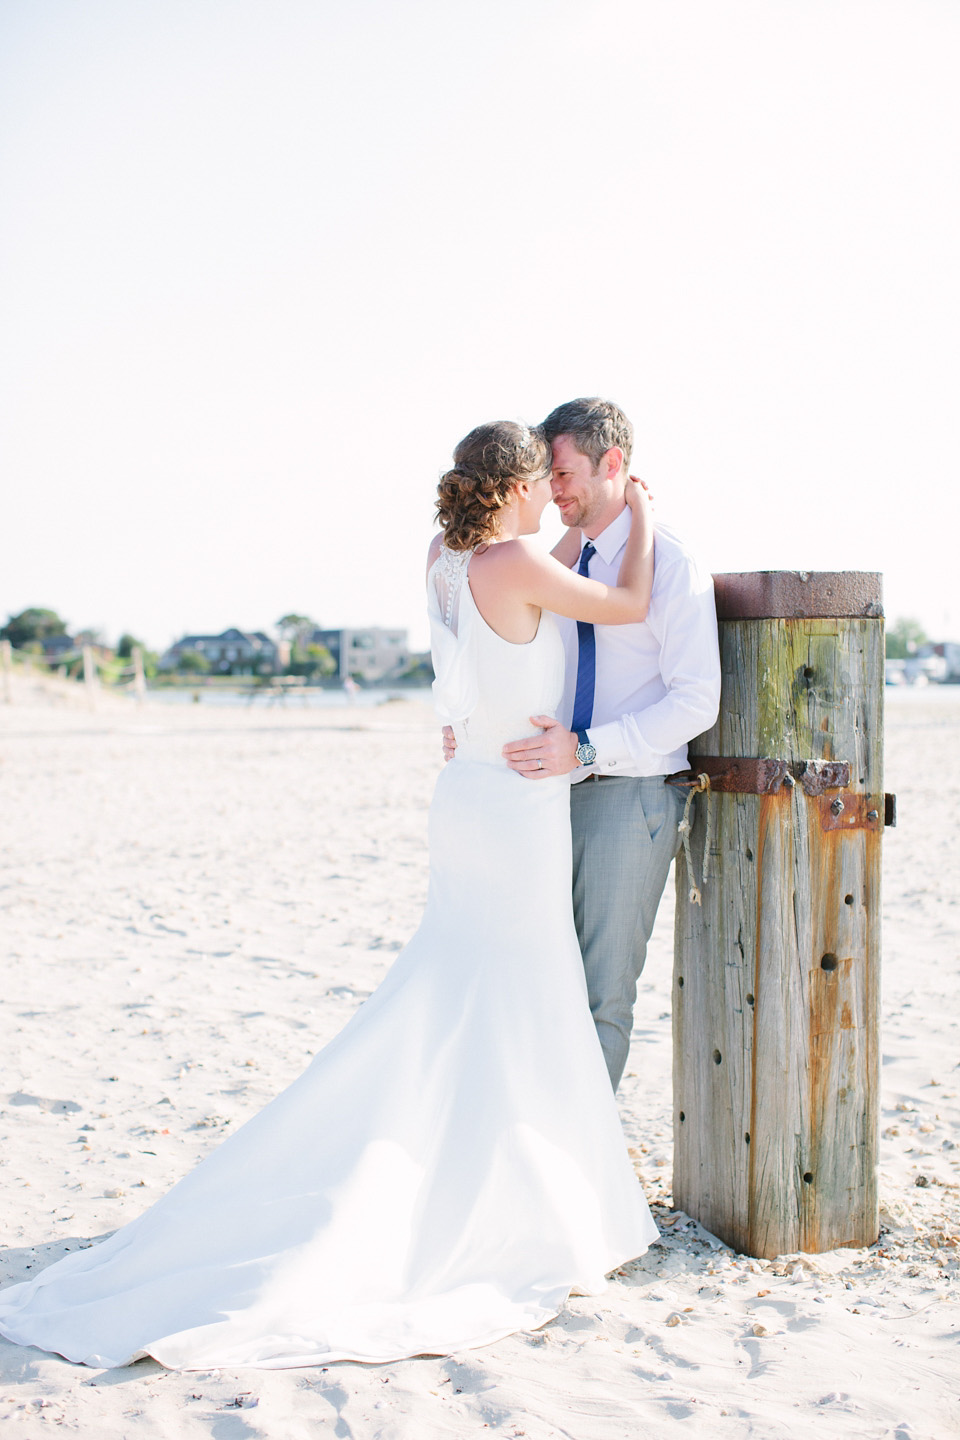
(451, 1165)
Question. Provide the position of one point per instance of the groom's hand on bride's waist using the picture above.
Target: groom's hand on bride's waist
(554, 752)
(449, 742)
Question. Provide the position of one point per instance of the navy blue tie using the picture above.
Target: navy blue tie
(587, 659)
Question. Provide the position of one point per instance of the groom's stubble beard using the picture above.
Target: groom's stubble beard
(582, 513)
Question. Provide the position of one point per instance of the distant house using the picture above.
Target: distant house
(370, 654)
(235, 652)
(55, 645)
(948, 652)
(932, 663)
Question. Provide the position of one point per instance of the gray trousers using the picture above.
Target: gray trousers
(624, 838)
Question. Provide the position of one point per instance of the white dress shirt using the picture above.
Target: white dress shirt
(657, 683)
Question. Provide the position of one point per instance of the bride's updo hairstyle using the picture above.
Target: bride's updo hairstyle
(488, 464)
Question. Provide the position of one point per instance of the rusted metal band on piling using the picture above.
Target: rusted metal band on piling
(800, 595)
(748, 775)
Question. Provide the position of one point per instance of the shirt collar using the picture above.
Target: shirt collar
(611, 541)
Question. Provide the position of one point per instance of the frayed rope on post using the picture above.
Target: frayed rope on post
(685, 827)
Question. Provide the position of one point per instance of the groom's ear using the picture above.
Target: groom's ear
(612, 462)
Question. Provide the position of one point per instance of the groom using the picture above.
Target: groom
(634, 696)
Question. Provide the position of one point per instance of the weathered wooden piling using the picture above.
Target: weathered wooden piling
(777, 974)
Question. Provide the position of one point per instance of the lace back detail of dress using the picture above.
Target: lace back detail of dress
(448, 577)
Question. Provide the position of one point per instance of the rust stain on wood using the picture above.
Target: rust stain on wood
(841, 1030)
(773, 820)
(826, 986)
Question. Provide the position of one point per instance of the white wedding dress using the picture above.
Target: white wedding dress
(451, 1165)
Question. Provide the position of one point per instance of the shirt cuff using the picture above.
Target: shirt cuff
(612, 750)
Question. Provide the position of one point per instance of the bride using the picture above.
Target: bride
(451, 1165)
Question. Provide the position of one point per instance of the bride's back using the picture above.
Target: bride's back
(487, 687)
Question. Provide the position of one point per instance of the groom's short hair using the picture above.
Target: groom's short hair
(595, 426)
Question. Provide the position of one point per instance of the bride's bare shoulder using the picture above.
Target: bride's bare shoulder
(509, 554)
(506, 571)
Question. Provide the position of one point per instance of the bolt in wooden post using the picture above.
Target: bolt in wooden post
(777, 977)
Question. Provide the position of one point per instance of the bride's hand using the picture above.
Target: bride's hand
(554, 752)
(638, 493)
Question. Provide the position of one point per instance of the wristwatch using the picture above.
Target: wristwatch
(586, 753)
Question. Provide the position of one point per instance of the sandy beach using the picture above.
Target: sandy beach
(196, 898)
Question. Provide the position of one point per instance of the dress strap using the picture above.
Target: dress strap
(449, 573)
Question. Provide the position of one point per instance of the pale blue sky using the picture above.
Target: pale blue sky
(264, 263)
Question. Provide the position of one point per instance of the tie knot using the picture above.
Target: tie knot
(586, 555)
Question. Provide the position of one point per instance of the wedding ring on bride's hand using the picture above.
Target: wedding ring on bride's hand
(539, 763)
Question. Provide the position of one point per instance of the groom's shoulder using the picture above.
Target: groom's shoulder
(671, 548)
(675, 562)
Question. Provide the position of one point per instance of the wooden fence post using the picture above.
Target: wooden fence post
(776, 987)
(6, 665)
(90, 675)
(139, 680)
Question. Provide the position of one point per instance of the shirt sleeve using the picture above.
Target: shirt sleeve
(683, 617)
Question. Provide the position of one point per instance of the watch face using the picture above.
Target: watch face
(586, 754)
